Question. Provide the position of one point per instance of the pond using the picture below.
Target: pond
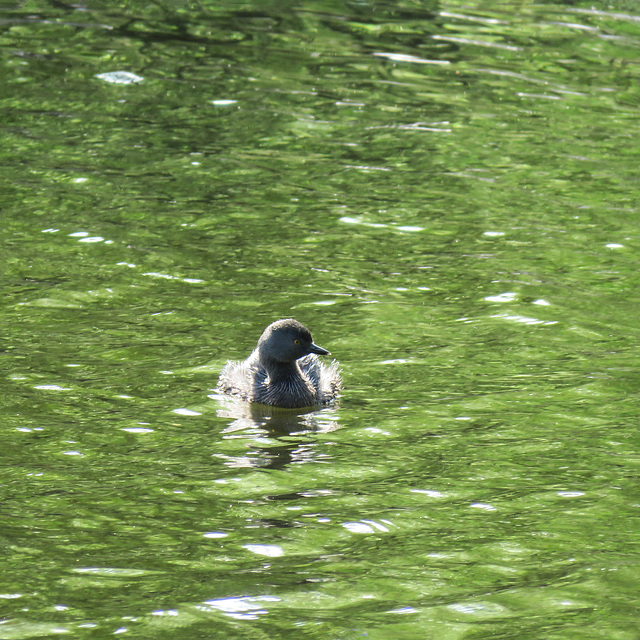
(446, 194)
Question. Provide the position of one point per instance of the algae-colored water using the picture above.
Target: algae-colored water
(446, 194)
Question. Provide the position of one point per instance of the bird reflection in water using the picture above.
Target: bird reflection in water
(266, 427)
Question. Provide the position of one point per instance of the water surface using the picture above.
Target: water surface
(445, 193)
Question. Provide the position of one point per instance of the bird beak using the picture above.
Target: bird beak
(314, 348)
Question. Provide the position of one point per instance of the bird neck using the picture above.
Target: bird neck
(278, 370)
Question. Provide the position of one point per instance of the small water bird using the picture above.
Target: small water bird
(284, 370)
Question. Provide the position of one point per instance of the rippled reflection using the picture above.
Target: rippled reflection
(449, 190)
(277, 437)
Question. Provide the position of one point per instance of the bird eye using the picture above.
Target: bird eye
(296, 341)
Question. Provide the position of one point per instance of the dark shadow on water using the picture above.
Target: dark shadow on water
(275, 420)
(291, 428)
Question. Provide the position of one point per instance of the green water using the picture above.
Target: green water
(446, 194)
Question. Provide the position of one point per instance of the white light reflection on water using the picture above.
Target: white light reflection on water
(269, 550)
(242, 608)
